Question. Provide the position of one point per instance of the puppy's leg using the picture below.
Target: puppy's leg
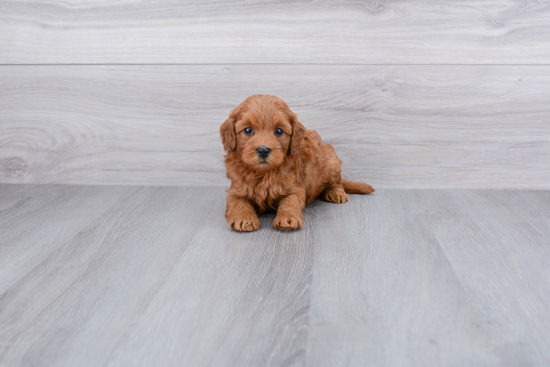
(289, 213)
(334, 191)
(241, 215)
(335, 194)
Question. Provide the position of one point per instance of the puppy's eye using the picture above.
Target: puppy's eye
(279, 131)
(248, 131)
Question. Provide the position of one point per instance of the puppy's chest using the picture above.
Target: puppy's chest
(267, 194)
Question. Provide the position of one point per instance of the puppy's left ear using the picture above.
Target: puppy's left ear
(298, 134)
(227, 132)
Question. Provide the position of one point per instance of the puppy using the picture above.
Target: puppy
(274, 163)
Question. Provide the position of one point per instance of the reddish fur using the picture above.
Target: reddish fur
(299, 169)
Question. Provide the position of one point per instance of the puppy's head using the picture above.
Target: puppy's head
(262, 130)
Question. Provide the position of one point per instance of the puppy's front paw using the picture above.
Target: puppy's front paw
(287, 222)
(247, 223)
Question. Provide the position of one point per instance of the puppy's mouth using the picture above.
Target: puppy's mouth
(263, 161)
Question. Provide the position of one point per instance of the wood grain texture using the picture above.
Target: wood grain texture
(366, 32)
(49, 216)
(393, 126)
(432, 278)
(156, 279)
(232, 299)
(384, 293)
(521, 222)
(140, 276)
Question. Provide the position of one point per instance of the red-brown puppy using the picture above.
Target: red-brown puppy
(273, 162)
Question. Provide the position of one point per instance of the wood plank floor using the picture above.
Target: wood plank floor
(152, 276)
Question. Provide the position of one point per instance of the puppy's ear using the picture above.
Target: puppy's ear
(298, 134)
(227, 132)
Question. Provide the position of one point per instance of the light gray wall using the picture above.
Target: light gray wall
(413, 94)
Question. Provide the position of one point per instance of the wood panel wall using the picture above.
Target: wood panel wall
(413, 94)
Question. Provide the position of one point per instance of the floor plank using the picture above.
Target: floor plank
(508, 278)
(355, 31)
(385, 294)
(131, 276)
(233, 299)
(99, 279)
(393, 126)
(122, 284)
(34, 228)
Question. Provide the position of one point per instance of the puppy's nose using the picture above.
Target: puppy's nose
(263, 151)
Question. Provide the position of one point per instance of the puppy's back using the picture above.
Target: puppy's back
(314, 137)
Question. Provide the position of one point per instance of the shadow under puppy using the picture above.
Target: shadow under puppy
(274, 163)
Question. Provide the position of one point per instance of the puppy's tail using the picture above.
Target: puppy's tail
(356, 187)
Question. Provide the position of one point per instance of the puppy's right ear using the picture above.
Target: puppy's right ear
(227, 132)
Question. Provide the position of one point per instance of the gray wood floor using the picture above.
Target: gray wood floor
(152, 276)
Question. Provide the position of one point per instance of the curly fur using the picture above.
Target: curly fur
(299, 168)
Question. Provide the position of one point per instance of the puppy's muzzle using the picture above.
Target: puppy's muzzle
(263, 151)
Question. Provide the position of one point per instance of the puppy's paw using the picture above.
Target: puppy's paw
(247, 223)
(287, 222)
(335, 195)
